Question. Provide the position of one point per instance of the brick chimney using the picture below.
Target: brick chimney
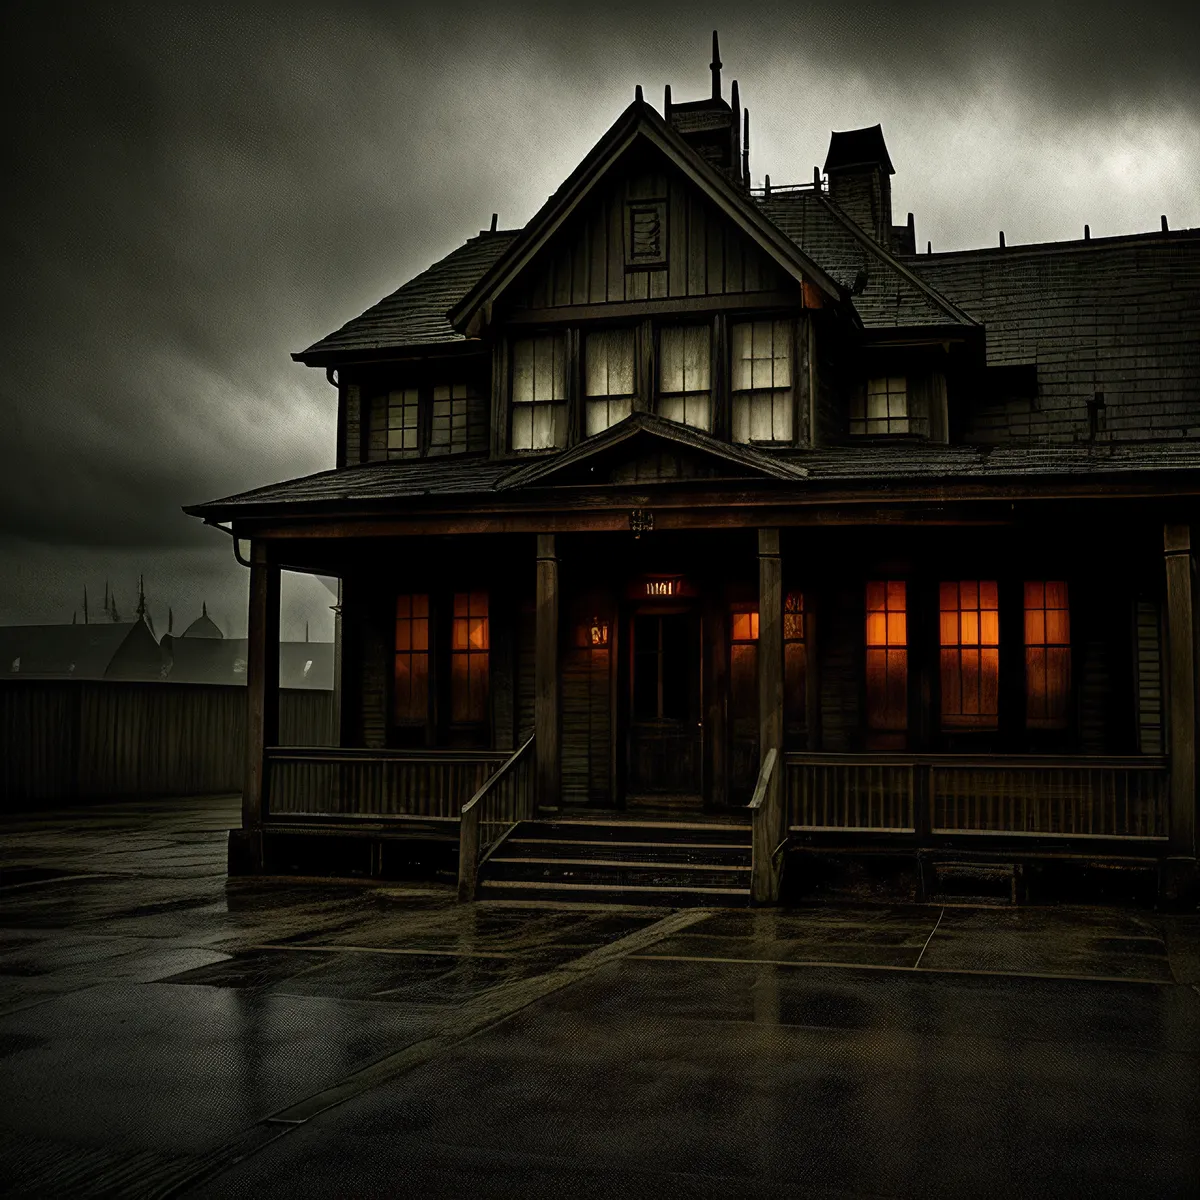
(860, 180)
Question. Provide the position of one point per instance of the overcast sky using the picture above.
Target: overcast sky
(193, 193)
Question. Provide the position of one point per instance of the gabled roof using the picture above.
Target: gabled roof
(638, 121)
(889, 294)
(414, 314)
(648, 427)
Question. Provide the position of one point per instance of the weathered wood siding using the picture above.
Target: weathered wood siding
(1148, 675)
(705, 254)
(66, 740)
(840, 654)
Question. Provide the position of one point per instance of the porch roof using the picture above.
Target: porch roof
(385, 483)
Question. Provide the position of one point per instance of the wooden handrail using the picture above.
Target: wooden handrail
(764, 779)
(492, 780)
(470, 818)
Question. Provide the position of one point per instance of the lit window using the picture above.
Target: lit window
(608, 378)
(795, 661)
(1047, 655)
(684, 375)
(469, 658)
(410, 703)
(450, 429)
(743, 662)
(970, 654)
(539, 393)
(762, 381)
(887, 661)
(881, 408)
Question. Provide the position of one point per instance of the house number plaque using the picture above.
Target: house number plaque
(641, 520)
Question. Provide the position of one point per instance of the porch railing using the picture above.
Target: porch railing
(492, 813)
(766, 841)
(375, 784)
(1079, 797)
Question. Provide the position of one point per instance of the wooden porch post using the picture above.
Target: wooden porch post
(1181, 683)
(765, 882)
(545, 705)
(262, 681)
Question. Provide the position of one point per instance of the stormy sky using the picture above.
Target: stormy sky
(194, 192)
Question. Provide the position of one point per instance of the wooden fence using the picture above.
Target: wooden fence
(1085, 796)
(67, 740)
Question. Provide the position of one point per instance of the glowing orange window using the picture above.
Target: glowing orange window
(1047, 655)
(410, 695)
(469, 658)
(970, 654)
(887, 660)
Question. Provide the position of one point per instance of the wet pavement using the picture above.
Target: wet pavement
(164, 1030)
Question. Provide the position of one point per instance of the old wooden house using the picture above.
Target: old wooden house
(697, 528)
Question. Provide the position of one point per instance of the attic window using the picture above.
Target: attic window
(645, 234)
(684, 376)
(608, 378)
(881, 408)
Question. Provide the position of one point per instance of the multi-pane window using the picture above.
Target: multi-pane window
(410, 694)
(970, 654)
(1047, 655)
(685, 375)
(395, 428)
(743, 663)
(450, 421)
(795, 662)
(608, 357)
(761, 361)
(469, 644)
(539, 393)
(887, 662)
(881, 408)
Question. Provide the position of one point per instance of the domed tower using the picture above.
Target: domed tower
(203, 626)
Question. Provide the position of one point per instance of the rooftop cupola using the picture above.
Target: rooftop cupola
(860, 179)
(712, 127)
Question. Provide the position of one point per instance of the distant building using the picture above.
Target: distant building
(203, 626)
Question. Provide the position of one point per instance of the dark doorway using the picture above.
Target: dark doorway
(664, 740)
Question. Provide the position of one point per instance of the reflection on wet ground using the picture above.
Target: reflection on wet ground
(163, 1027)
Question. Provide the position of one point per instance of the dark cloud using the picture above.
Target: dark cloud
(194, 192)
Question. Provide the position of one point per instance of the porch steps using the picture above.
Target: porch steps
(622, 862)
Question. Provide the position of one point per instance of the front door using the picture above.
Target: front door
(664, 738)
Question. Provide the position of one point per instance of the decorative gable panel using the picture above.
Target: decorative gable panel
(649, 235)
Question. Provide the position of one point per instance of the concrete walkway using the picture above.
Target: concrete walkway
(165, 1031)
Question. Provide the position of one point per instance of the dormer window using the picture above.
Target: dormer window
(539, 393)
(608, 378)
(450, 430)
(685, 375)
(399, 413)
(448, 418)
(881, 408)
(761, 363)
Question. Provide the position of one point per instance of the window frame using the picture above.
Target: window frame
(660, 393)
(569, 339)
(586, 398)
(790, 323)
(475, 434)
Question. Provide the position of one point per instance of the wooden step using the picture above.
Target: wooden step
(714, 854)
(599, 893)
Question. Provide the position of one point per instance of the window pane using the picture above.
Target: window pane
(608, 363)
(411, 671)
(469, 641)
(970, 660)
(1047, 655)
(887, 656)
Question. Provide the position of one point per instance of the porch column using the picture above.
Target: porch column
(545, 704)
(262, 682)
(335, 701)
(1181, 684)
(769, 831)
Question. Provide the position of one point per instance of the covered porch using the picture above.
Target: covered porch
(646, 676)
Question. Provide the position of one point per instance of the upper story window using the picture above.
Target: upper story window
(539, 393)
(761, 360)
(685, 375)
(881, 407)
(608, 378)
(410, 422)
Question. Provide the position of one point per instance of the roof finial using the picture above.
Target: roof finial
(495, 218)
(204, 608)
(141, 604)
(746, 146)
(735, 128)
(715, 67)
(1164, 223)
(637, 93)
(667, 102)
(170, 619)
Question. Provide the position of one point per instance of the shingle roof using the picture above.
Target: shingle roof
(1115, 316)
(415, 313)
(892, 295)
(372, 485)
